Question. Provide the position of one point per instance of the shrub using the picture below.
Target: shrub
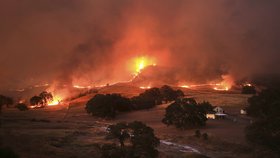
(265, 108)
(184, 113)
(22, 106)
(107, 105)
(168, 94)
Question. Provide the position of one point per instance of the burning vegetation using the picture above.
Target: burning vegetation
(44, 99)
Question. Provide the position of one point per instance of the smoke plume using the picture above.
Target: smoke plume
(91, 42)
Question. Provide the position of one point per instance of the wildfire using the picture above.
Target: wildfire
(141, 62)
(145, 87)
(185, 86)
(55, 101)
(81, 87)
(225, 85)
(221, 88)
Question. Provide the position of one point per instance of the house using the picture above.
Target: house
(218, 113)
(218, 110)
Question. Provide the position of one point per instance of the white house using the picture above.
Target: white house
(218, 113)
(218, 110)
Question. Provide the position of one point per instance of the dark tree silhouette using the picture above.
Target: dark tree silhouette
(206, 107)
(107, 105)
(37, 101)
(143, 142)
(184, 114)
(153, 94)
(168, 94)
(46, 97)
(141, 102)
(147, 99)
(119, 131)
(265, 108)
(265, 104)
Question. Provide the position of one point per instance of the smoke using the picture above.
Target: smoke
(91, 42)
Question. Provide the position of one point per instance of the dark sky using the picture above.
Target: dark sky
(86, 41)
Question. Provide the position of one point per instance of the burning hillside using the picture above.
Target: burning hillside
(94, 44)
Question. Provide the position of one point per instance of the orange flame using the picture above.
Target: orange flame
(225, 85)
(55, 101)
(139, 63)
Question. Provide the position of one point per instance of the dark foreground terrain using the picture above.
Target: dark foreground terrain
(68, 131)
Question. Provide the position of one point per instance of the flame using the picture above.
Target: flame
(55, 101)
(141, 62)
(221, 88)
(81, 87)
(145, 87)
(225, 85)
(185, 86)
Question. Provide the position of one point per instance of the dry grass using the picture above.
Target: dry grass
(49, 132)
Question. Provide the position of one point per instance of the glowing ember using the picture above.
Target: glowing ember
(185, 86)
(248, 84)
(81, 87)
(145, 87)
(221, 88)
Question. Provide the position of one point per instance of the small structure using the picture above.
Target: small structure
(218, 113)
(218, 110)
(243, 112)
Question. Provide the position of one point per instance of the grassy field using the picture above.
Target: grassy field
(71, 133)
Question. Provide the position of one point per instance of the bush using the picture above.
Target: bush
(37, 101)
(168, 94)
(141, 102)
(107, 105)
(265, 107)
(206, 107)
(185, 113)
(22, 106)
(265, 104)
